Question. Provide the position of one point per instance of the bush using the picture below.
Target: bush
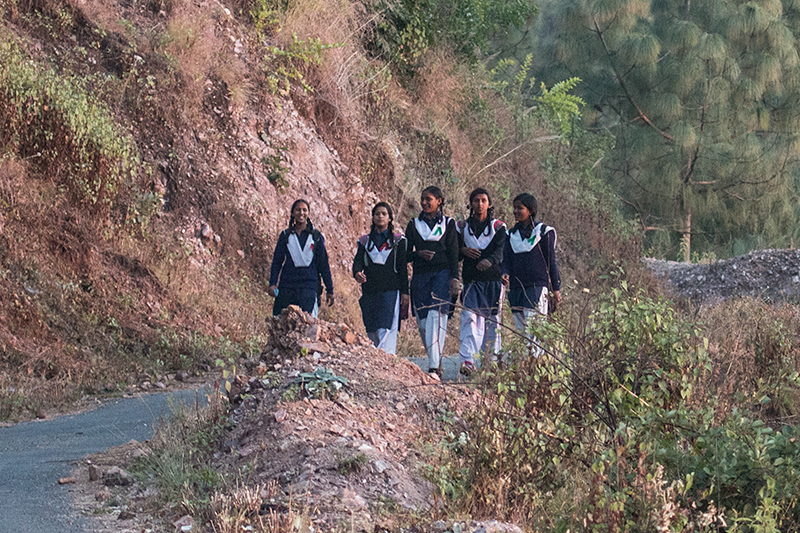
(51, 121)
(615, 428)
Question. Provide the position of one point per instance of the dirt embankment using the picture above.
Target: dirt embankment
(355, 457)
(773, 275)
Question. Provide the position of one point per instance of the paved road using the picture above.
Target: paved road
(450, 366)
(34, 455)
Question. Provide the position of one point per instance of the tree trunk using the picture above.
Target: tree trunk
(687, 239)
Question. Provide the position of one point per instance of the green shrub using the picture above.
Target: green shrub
(180, 462)
(616, 427)
(408, 28)
(286, 66)
(51, 121)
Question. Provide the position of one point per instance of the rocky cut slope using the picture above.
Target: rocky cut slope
(157, 259)
(773, 275)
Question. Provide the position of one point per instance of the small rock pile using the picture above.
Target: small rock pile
(295, 332)
(773, 275)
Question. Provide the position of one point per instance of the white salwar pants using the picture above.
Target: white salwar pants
(524, 317)
(477, 335)
(433, 330)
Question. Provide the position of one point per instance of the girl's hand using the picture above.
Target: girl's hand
(427, 255)
(360, 277)
(272, 290)
(455, 287)
(506, 280)
(329, 299)
(557, 296)
(484, 264)
(472, 253)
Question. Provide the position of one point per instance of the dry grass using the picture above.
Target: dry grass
(754, 346)
(344, 76)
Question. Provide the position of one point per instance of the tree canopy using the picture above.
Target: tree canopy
(702, 100)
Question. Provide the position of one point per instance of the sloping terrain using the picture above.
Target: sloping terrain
(359, 456)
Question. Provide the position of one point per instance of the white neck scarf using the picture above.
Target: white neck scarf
(433, 234)
(481, 241)
(521, 246)
(302, 257)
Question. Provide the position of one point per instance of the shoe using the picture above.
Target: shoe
(467, 368)
(432, 373)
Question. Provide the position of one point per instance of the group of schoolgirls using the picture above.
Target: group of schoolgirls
(522, 259)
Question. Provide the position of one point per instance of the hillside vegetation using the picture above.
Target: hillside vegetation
(151, 150)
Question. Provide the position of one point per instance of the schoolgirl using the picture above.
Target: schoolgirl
(529, 264)
(433, 252)
(481, 244)
(380, 267)
(300, 265)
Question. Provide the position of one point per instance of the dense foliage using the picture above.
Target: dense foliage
(49, 120)
(618, 427)
(702, 100)
(408, 28)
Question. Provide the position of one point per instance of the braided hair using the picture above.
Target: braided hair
(475, 226)
(291, 213)
(390, 242)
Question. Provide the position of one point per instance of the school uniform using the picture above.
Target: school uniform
(299, 265)
(530, 261)
(382, 259)
(481, 293)
(430, 282)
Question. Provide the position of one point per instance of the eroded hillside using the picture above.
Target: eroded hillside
(151, 152)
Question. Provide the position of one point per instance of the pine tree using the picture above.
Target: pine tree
(703, 99)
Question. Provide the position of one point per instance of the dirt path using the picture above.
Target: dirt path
(35, 455)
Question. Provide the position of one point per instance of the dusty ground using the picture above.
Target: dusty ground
(353, 459)
(770, 274)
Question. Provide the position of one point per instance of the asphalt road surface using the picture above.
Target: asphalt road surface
(35, 455)
(450, 366)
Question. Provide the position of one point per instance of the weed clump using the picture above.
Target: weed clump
(180, 462)
(51, 121)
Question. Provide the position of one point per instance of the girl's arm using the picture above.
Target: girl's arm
(508, 253)
(402, 268)
(325, 266)
(555, 278)
(278, 258)
(358, 261)
(496, 247)
(411, 254)
(451, 248)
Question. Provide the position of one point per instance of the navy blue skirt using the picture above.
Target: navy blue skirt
(305, 298)
(524, 298)
(482, 297)
(430, 291)
(377, 309)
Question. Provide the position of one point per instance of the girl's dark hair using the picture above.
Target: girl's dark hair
(391, 218)
(437, 193)
(476, 192)
(529, 201)
(291, 212)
